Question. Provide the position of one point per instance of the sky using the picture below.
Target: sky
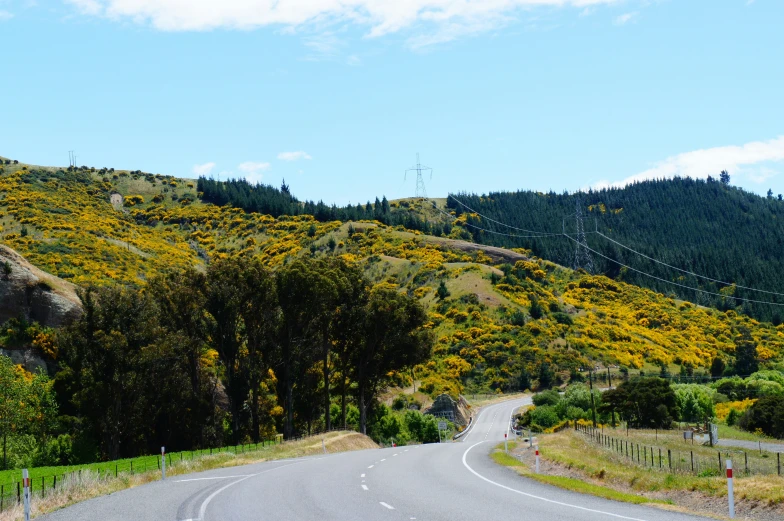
(338, 96)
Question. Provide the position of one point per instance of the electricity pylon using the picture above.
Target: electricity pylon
(420, 193)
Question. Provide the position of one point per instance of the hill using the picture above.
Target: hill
(702, 226)
(509, 314)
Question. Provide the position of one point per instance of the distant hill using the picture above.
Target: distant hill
(506, 314)
(706, 227)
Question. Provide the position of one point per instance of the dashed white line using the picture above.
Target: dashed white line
(394, 454)
(384, 459)
(370, 467)
(362, 476)
(385, 505)
(364, 487)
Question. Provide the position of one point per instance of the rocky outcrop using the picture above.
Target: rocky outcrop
(445, 407)
(33, 294)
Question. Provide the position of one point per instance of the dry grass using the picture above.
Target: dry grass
(88, 485)
(483, 400)
(570, 455)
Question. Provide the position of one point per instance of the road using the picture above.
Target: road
(436, 482)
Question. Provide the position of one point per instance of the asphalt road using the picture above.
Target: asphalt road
(437, 482)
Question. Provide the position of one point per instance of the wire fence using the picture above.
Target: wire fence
(691, 462)
(48, 480)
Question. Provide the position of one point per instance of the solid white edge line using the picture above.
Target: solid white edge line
(217, 477)
(475, 473)
(386, 505)
(206, 503)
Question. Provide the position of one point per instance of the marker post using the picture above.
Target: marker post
(537, 460)
(506, 443)
(730, 489)
(26, 483)
(163, 462)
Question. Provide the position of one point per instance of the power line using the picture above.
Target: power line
(582, 259)
(493, 220)
(686, 271)
(543, 236)
(674, 283)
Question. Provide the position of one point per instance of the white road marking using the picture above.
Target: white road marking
(384, 459)
(206, 503)
(364, 487)
(475, 473)
(362, 476)
(394, 454)
(386, 505)
(370, 467)
(217, 477)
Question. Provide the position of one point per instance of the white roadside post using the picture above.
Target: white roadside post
(323, 446)
(26, 483)
(537, 460)
(506, 443)
(730, 489)
(163, 462)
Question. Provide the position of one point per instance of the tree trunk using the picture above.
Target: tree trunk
(362, 410)
(343, 400)
(5, 453)
(327, 421)
(288, 430)
(254, 410)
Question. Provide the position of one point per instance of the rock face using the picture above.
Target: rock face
(445, 407)
(33, 294)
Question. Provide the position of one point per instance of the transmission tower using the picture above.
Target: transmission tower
(582, 258)
(421, 193)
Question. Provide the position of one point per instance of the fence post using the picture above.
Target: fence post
(730, 491)
(746, 462)
(163, 463)
(692, 460)
(115, 470)
(43, 487)
(26, 480)
(660, 459)
(18, 494)
(131, 467)
(2, 496)
(778, 462)
(719, 462)
(669, 457)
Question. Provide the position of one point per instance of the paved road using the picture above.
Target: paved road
(437, 482)
(752, 445)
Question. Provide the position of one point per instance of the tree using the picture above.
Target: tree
(14, 392)
(524, 382)
(7, 270)
(546, 376)
(770, 193)
(717, 367)
(536, 310)
(767, 415)
(393, 339)
(746, 360)
(643, 402)
(724, 177)
(442, 291)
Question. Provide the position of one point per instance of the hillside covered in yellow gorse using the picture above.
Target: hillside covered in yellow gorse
(503, 315)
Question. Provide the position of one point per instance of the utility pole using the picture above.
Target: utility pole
(421, 193)
(582, 259)
(593, 404)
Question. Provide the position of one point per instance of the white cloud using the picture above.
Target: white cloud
(253, 170)
(451, 18)
(625, 18)
(293, 156)
(203, 169)
(5, 15)
(748, 159)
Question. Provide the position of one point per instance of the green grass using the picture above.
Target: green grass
(575, 485)
(734, 433)
(9, 478)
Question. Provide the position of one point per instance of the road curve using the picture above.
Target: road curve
(437, 482)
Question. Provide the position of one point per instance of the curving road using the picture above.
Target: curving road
(438, 482)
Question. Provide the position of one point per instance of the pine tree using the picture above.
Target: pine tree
(442, 291)
(746, 361)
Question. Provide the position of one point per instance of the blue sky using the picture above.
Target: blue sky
(338, 96)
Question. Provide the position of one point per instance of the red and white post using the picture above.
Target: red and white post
(537, 460)
(26, 484)
(163, 462)
(730, 489)
(506, 443)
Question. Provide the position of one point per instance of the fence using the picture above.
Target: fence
(683, 462)
(11, 492)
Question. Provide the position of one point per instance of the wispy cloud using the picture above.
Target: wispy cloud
(293, 156)
(203, 169)
(5, 15)
(749, 159)
(253, 170)
(445, 19)
(625, 18)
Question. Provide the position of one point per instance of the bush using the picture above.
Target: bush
(732, 417)
(544, 417)
(547, 398)
(767, 415)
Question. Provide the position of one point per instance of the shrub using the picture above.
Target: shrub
(544, 417)
(767, 415)
(546, 398)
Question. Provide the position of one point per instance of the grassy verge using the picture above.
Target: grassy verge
(571, 461)
(734, 433)
(573, 484)
(89, 484)
(483, 400)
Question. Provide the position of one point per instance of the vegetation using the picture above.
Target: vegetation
(705, 227)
